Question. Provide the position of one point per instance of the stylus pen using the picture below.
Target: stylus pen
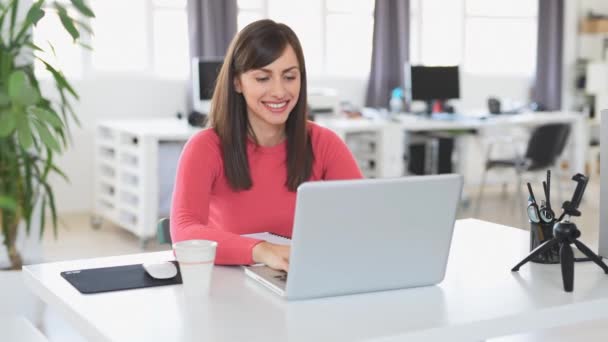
(548, 190)
(531, 193)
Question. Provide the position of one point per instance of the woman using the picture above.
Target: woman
(240, 175)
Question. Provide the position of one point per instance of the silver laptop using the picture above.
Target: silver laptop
(367, 235)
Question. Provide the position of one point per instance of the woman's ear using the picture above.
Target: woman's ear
(237, 85)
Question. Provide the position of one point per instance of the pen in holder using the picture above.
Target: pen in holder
(542, 219)
(539, 233)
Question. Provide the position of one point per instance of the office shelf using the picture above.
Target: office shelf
(377, 147)
(126, 175)
(119, 170)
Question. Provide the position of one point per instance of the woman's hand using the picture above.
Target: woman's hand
(272, 255)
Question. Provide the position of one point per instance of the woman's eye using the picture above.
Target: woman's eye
(261, 79)
(290, 78)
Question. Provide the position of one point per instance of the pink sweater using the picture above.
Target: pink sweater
(205, 207)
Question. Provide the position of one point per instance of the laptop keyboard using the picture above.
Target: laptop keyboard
(282, 276)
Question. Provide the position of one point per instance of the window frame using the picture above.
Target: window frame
(264, 12)
(88, 70)
(417, 18)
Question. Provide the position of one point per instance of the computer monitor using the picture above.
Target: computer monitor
(204, 76)
(430, 83)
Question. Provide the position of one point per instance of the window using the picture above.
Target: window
(349, 34)
(336, 35)
(119, 42)
(146, 37)
(170, 39)
(477, 34)
(501, 33)
(50, 35)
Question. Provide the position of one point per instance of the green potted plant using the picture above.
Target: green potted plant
(33, 128)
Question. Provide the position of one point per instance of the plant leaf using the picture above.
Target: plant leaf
(24, 133)
(86, 46)
(34, 14)
(27, 201)
(8, 122)
(42, 217)
(49, 194)
(60, 173)
(14, 10)
(82, 8)
(5, 100)
(52, 49)
(67, 22)
(21, 90)
(61, 81)
(84, 26)
(46, 116)
(5, 10)
(47, 138)
(34, 46)
(7, 203)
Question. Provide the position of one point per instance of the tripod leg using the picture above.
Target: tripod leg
(567, 260)
(540, 249)
(589, 253)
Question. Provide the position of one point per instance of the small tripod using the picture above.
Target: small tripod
(566, 233)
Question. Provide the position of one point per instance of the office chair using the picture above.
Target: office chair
(163, 231)
(544, 147)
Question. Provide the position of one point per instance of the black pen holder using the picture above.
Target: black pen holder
(540, 233)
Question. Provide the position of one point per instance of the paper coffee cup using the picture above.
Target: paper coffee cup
(195, 258)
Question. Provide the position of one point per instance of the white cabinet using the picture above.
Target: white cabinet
(378, 147)
(131, 162)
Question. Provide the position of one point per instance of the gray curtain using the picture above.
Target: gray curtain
(211, 26)
(547, 90)
(390, 50)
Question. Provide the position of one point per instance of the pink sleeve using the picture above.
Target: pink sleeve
(199, 166)
(338, 160)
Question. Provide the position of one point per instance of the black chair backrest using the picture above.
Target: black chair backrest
(546, 144)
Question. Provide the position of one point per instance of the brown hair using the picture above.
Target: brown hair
(255, 46)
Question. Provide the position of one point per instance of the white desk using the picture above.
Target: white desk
(480, 298)
(18, 328)
(578, 142)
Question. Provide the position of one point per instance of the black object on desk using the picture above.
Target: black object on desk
(106, 279)
(541, 228)
(565, 233)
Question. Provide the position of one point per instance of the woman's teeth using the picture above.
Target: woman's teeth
(276, 105)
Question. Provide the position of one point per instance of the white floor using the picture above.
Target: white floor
(76, 239)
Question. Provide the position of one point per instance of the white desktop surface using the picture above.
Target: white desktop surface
(576, 152)
(411, 122)
(158, 128)
(479, 298)
(18, 328)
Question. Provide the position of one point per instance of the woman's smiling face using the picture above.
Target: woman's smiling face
(271, 92)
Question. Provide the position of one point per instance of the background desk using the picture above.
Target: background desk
(393, 144)
(479, 298)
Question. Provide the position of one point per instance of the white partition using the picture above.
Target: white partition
(603, 246)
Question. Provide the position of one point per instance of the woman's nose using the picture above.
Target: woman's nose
(278, 89)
